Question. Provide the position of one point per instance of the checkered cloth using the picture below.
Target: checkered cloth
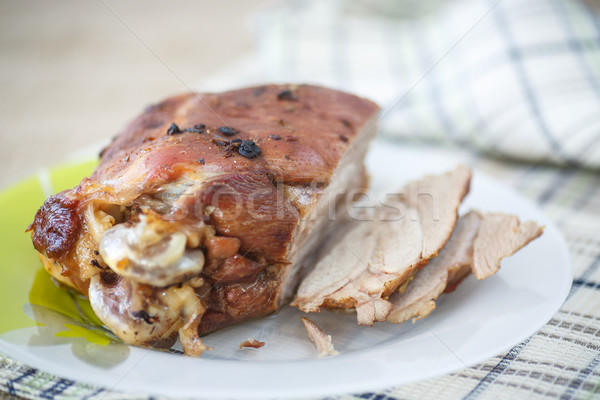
(512, 79)
(560, 360)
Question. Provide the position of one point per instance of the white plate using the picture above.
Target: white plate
(477, 321)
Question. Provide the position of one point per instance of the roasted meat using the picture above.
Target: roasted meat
(204, 209)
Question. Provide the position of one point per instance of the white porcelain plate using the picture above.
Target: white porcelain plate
(477, 321)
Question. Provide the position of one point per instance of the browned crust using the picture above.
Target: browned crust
(56, 226)
(314, 130)
(301, 136)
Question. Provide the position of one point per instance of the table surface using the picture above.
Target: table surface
(73, 73)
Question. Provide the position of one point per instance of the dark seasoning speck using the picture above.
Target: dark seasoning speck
(174, 129)
(287, 95)
(143, 315)
(246, 148)
(220, 141)
(198, 128)
(258, 91)
(227, 131)
(346, 123)
(249, 149)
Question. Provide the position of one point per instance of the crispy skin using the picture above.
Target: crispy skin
(315, 131)
(56, 225)
(181, 158)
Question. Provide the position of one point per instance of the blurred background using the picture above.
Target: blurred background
(74, 72)
(518, 80)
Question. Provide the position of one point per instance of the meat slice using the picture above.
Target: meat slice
(368, 260)
(419, 297)
(223, 195)
(320, 339)
(437, 198)
(478, 244)
(251, 343)
(500, 236)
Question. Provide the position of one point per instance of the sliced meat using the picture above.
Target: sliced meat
(396, 255)
(437, 197)
(252, 343)
(372, 310)
(500, 236)
(419, 297)
(367, 260)
(320, 339)
(478, 243)
(339, 266)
